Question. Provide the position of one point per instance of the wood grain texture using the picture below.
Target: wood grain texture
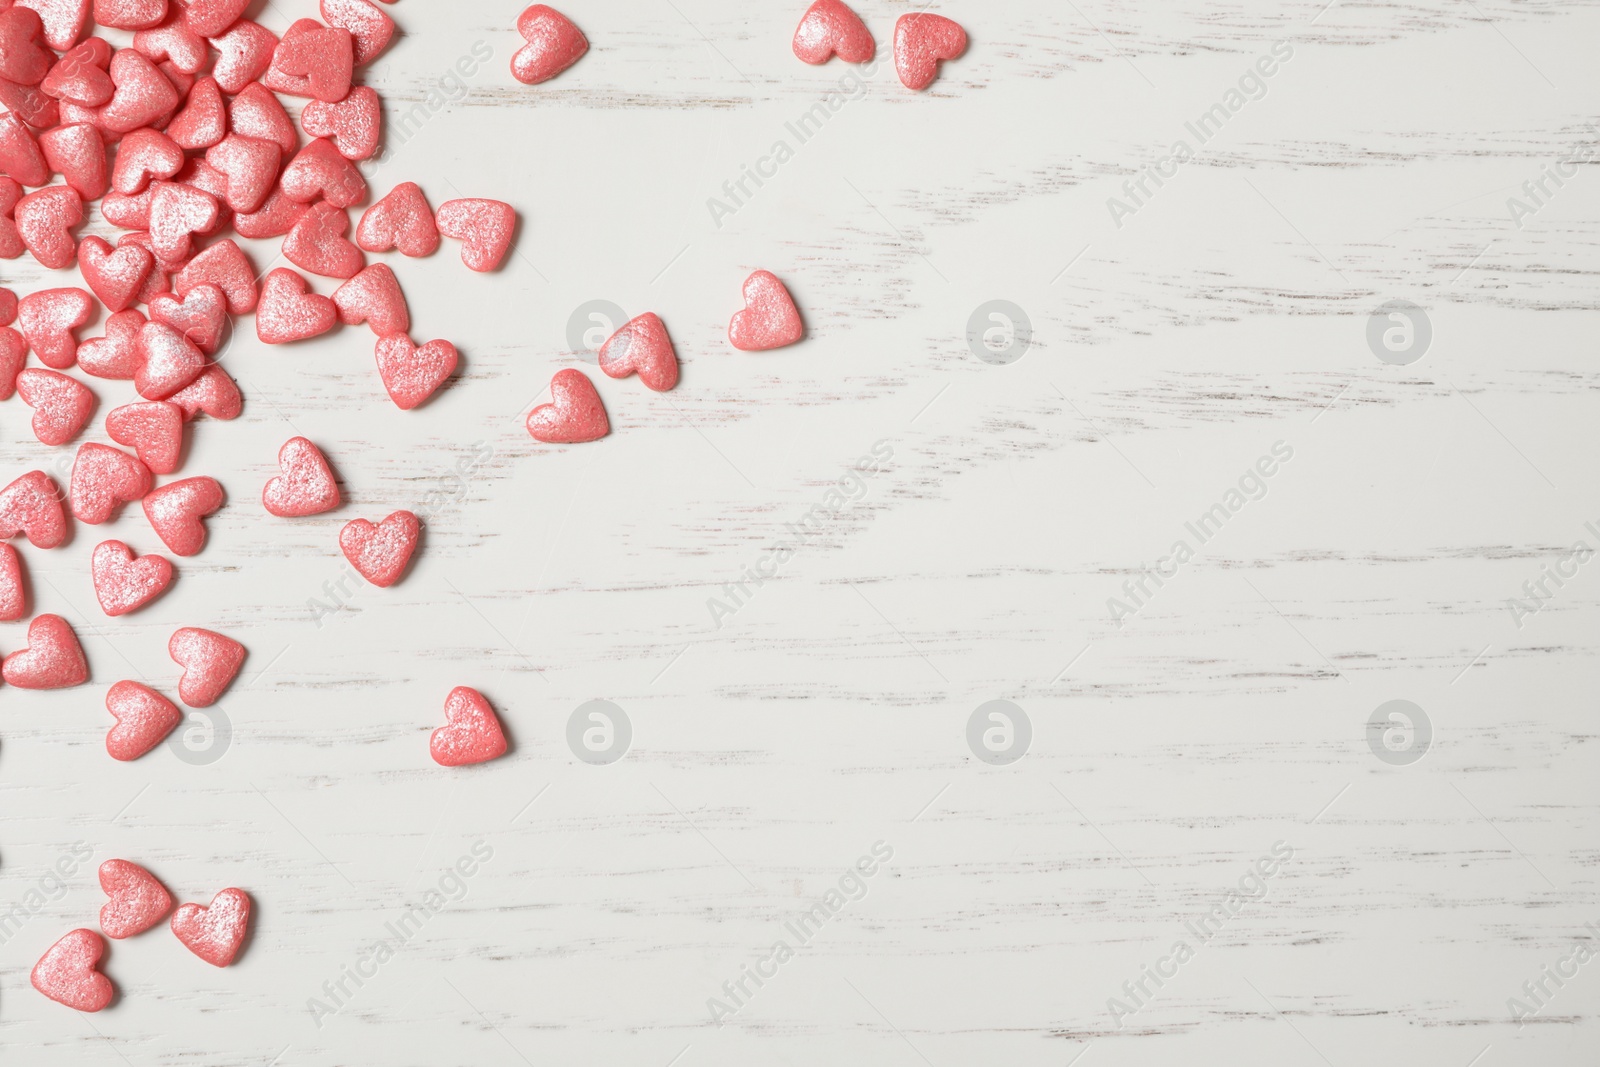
(829, 712)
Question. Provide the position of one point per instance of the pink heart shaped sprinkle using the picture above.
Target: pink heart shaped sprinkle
(144, 718)
(471, 734)
(138, 901)
(210, 663)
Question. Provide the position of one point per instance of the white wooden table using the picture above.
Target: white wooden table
(1224, 718)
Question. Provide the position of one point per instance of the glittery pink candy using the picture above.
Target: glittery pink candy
(276, 218)
(142, 97)
(63, 20)
(403, 220)
(204, 119)
(44, 220)
(123, 583)
(318, 170)
(11, 244)
(574, 413)
(168, 361)
(210, 662)
(411, 372)
(80, 77)
(251, 166)
(312, 60)
(289, 311)
(20, 157)
(176, 212)
(52, 660)
(32, 505)
(380, 553)
(214, 932)
(13, 354)
(483, 226)
(244, 52)
(138, 901)
(127, 212)
(129, 14)
(317, 243)
(13, 590)
(175, 512)
(47, 319)
(77, 152)
(208, 18)
(213, 393)
(257, 113)
(143, 155)
(103, 479)
(175, 42)
(373, 297)
(306, 486)
(66, 974)
(116, 355)
(370, 29)
(144, 717)
(226, 267)
(643, 346)
(921, 41)
(23, 57)
(554, 44)
(201, 315)
(769, 318)
(61, 405)
(354, 124)
(115, 275)
(830, 29)
(471, 733)
(153, 429)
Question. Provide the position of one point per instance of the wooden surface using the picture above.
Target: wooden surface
(1224, 718)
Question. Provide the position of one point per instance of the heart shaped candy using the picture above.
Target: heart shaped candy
(115, 275)
(123, 583)
(66, 972)
(116, 355)
(201, 315)
(214, 932)
(471, 733)
(61, 405)
(370, 29)
(229, 269)
(204, 119)
(210, 663)
(103, 479)
(289, 311)
(257, 113)
(177, 212)
(412, 372)
(77, 152)
(306, 486)
(251, 165)
(143, 94)
(20, 156)
(483, 226)
(554, 44)
(353, 124)
(23, 56)
(13, 590)
(769, 318)
(13, 354)
(380, 553)
(574, 413)
(143, 155)
(921, 40)
(175, 512)
(403, 220)
(830, 29)
(32, 505)
(153, 429)
(144, 718)
(373, 297)
(317, 243)
(209, 18)
(11, 243)
(312, 60)
(129, 14)
(318, 170)
(44, 220)
(62, 20)
(173, 42)
(213, 393)
(52, 660)
(80, 76)
(276, 217)
(168, 361)
(243, 53)
(137, 901)
(642, 346)
(47, 319)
